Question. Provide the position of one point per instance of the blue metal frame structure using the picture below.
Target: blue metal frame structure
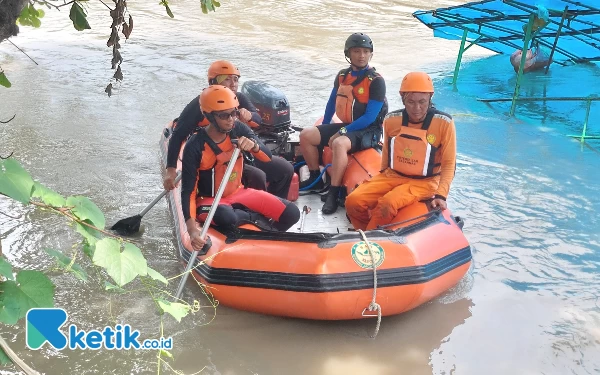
(571, 32)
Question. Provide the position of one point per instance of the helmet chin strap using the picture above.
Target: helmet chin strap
(213, 122)
(221, 130)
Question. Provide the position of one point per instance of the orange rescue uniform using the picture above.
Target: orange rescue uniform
(418, 162)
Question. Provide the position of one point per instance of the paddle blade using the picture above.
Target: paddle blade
(127, 226)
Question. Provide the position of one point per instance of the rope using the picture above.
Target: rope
(373, 306)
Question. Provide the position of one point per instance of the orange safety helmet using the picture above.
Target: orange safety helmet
(220, 67)
(217, 98)
(416, 82)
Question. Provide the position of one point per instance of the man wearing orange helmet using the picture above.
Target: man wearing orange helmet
(277, 172)
(205, 158)
(418, 159)
(358, 99)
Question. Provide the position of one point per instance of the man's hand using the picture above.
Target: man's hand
(333, 138)
(439, 202)
(169, 179)
(197, 242)
(246, 144)
(245, 115)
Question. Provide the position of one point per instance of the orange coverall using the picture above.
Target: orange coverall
(377, 202)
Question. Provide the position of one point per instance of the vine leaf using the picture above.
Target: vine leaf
(86, 210)
(175, 309)
(79, 18)
(15, 182)
(4, 81)
(32, 289)
(46, 195)
(4, 360)
(165, 3)
(157, 276)
(121, 266)
(6, 269)
(64, 261)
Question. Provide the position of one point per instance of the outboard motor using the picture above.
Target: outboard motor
(274, 109)
(271, 104)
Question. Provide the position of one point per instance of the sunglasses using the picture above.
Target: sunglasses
(233, 78)
(226, 115)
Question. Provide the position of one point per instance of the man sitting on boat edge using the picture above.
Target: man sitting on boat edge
(205, 159)
(277, 171)
(418, 161)
(358, 99)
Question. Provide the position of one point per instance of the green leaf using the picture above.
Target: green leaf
(169, 11)
(121, 266)
(157, 276)
(109, 286)
(48, 196)
(25, 21)
(216, 3)
(64, 261)
(4, 81)
(90, 235)
(32, 289)
(85, 209)
(165, 3)
(15, 181)
(79, 18)
(35, 22)
(204, 10)
(165, 353)
(6, 269)
(177, 310)
(24, 13)
(87, 248)
(4, 360)
(41, 13)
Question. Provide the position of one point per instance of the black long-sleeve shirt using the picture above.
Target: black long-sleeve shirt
(189, 119)
(192, 156)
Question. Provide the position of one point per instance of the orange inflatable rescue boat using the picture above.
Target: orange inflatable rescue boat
(320, 269)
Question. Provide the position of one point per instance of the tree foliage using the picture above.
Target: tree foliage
(30, 13)
(117, 259)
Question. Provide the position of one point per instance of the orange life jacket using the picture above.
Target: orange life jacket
(203, 123)
(353, 94)
(410, 153)
(213, 165)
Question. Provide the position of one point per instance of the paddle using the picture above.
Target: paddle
(211, 213)
(131, 225)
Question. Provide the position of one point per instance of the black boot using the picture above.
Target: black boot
(331, 204)
(314, 175)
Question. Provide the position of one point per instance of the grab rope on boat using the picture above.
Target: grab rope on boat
(373, 306)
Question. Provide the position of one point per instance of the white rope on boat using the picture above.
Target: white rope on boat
(373, 306)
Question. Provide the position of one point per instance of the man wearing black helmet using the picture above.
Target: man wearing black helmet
(358, 100)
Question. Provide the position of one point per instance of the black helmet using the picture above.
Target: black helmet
(358, 40)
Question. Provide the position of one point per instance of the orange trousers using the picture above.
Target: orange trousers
(377, 201)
